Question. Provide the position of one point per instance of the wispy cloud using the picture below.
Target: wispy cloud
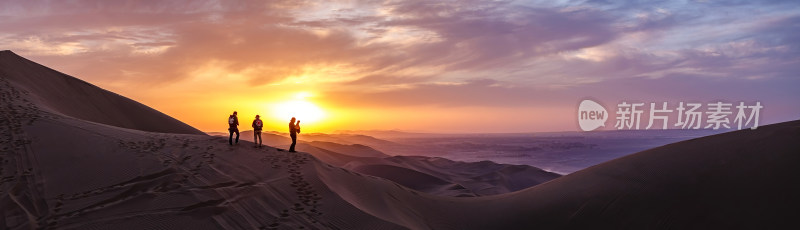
(445, 53)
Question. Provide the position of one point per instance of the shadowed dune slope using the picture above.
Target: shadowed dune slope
(70, 96)
(60, 172)
(739, 180)
(432, 175)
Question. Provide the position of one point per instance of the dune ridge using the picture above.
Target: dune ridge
(737, 180)
(64, 94)
(60, 171)
(435, 175)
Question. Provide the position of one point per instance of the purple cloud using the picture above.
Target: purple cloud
(441, 53)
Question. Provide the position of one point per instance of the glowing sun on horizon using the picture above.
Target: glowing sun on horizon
(303, 110)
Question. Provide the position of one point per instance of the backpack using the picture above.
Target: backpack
(231, 120)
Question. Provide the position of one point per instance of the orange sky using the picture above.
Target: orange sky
(429, 66)
(208, 111)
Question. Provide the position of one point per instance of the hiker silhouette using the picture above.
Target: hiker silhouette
(294, 129)
(257, 125)
(233, 123)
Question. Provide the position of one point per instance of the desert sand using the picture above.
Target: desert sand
(75, 156)
(433, 175)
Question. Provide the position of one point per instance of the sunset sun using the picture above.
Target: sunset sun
(303, 110)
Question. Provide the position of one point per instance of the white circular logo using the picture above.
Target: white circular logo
(591, 115)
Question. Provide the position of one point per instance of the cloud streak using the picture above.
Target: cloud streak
(405, 53)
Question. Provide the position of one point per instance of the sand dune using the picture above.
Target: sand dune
(385, 146)
(404, 176)
(62, 169)
(362, 150)
(743, 179)
(63, 94)
(452, 178)
(62, 172)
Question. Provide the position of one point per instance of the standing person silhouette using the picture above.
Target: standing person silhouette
(233, 123)
(294, 129)
(257, 125)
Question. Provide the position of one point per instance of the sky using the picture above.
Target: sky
(429, 66)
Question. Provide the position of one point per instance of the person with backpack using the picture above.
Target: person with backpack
(257, 125)
(233, 127)
(294, 129)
